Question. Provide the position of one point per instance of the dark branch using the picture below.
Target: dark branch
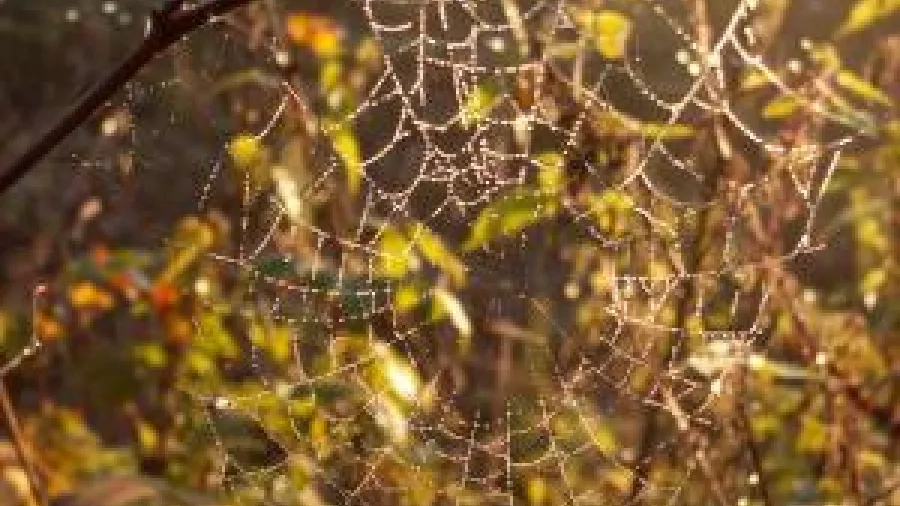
(170, 23)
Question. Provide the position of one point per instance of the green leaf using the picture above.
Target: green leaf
(510, 215)
(861, 88)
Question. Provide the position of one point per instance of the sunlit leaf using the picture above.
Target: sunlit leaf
(510, 215)
(407, 297)
(666, 131)
(610, 210)
(435, 251)
(602, 436)
(813, 435)
(330, 75)
(47, 327)
(246, 150)
(871, 459)
(551, 172)
(396, 257)
(397, 374)
(866, 12)
(87, 295)
(855, 84)
(391, 418)
(537, 491)
(781, 107)
(346, 146)
(318, 33)
(754, 78)
(477, 104)
(447, 304)
(619, 478)
(609, 30)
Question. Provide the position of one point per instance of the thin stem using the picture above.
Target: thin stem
(18, 440)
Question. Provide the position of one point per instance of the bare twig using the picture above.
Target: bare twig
(169, 24)
(18, 440)
(39, 292)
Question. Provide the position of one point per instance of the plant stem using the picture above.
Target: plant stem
(18, 440)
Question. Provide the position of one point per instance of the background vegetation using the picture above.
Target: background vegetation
(163, 378)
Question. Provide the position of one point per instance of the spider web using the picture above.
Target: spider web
(589, 371)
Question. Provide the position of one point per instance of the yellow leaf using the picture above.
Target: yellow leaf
(537, 491)
(407, 297)
(326, 43)
(330, 75)
(551, 173)
(666, 131)
(602, 436)
(619, 478)
(764, 426)
(395, 256)
(813, 436)
(347, 148)
(610, 31)
(781, 107)
(873, 280)
(85, 295)
(447, 304)
(435, 251)
(318, 436)
(871, 459)
(397, 374)
(866, 12)
(477, 105)
(862, 88)
(148, 438)
(754, 78)
(611, 211)
(246, 150)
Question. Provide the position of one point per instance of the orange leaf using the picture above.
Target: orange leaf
(318, 33)
(163, 295)
(48, 328)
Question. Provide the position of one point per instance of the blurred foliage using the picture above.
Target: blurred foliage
(143, 391)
